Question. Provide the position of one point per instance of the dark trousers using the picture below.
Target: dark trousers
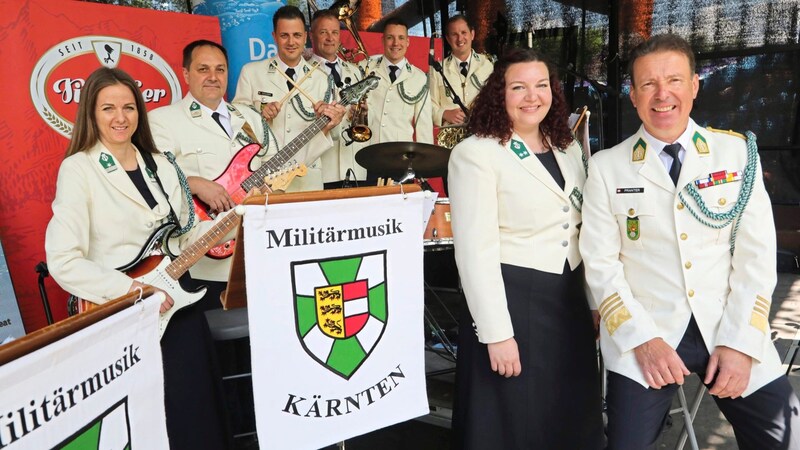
(765, 419)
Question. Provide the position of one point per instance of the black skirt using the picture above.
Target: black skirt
(555, 403)
(193, 397)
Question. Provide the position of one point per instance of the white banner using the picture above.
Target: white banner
(99, 388)
(335, 300)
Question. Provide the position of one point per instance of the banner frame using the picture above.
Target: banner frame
(235, 296)
(59, 330)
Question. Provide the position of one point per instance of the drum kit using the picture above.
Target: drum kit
(410, 161)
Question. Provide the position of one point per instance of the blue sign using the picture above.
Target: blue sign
(246, 31)
(10, 320)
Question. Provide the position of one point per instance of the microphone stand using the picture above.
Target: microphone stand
(456, 99)
(596, 88)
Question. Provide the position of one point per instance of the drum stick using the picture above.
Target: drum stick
(297, 85)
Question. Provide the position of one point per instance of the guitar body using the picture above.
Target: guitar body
(150, 267)
(232, 179)
(237, 171)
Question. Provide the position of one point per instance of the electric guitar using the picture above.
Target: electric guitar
(154, 265)
(277, 172)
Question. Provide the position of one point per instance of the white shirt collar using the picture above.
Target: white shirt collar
(458, 61)
(400, 64)
(685, 139)
(323, 63)
(282, 66)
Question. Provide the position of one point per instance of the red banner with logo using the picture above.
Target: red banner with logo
(50, 47)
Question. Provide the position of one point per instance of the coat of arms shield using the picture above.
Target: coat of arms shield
(341, 308)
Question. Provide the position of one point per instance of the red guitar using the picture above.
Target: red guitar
(278, 171)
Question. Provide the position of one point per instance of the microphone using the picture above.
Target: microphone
(431, 56)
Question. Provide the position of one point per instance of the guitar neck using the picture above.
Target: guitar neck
(284, 155)
(191, 255)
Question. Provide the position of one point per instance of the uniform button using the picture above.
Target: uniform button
(684, 236)
(199, 150)
(149, 224)
(564, 243)
(383, 124)
(288, 130)
(722, 202)
(565, 226)
(688, 265)
(385, 113)
(631, 212)
(691, 292)
(565, 208)
(680, 206)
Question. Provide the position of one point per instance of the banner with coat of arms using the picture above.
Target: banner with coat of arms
(335, 299)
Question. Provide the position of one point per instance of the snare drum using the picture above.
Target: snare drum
(439, 231)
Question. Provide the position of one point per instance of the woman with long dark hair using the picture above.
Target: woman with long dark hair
(527, 373)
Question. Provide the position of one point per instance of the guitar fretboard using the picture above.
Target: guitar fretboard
(277, 162)
(287, 153)
(191, 255)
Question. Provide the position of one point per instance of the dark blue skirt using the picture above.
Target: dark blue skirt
(555, 403)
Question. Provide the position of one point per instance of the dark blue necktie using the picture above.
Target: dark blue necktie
(290, 74)
(674, 171)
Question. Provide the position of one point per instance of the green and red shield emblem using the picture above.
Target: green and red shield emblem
(340, 309)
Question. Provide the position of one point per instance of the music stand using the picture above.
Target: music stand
(235, 296)
(59, 330)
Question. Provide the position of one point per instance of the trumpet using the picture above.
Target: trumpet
(358, 131)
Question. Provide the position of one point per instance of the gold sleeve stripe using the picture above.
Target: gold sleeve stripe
(607, 303)
(759, 321)
(604, 309)
(610, 311)
(760, 309)
(764, 302)
(613, 321)
(759, 318)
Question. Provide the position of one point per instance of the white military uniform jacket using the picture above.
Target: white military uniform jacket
(101, 221)
(203, 149)
(507, 208)
(651, 265)
(467, 88)
(297, 113)
(393, 116)
(340, 158)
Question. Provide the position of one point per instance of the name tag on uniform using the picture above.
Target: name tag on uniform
(630, 190)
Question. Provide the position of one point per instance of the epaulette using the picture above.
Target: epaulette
(492, 59)
(730, 132)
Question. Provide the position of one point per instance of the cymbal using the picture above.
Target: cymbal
(395, 158)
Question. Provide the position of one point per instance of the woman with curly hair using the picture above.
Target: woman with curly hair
(527, 373)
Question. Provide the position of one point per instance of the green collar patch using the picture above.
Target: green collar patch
(107, 161)
(639, 151)
(700, 143)
(195, 110)
(519, 148)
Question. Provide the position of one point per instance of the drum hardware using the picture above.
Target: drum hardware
(406, 160)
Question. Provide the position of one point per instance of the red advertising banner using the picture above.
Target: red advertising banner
(50, 48)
